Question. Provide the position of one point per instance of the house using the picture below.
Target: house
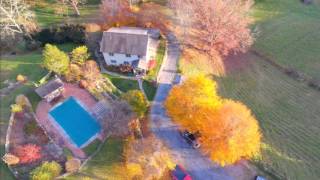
(130, 46)
(51, 90)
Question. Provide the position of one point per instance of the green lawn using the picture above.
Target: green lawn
(288, 113)
(108, 163)
(289, 33)
(92, 147)
(149, 89)
(47, 12)
(123, 85)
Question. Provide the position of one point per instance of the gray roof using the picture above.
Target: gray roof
(125, 40)
(51, 86)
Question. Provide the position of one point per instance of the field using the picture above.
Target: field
(47, 12)
(289, 34)
(288, 113)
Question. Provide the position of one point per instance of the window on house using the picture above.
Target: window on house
(111, 54)
(128, 55)
(126, 62)
(139, 56)
(113, 61)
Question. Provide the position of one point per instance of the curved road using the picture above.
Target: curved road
(199, 166)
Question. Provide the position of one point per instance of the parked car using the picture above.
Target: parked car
(260, 178)
(179, 173)
(190, 138)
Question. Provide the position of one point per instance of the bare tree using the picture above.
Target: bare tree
(16, 17)
(75, 4)
(183, 12)
(217, 26)
(118, 119)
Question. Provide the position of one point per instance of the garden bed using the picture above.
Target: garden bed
(24, 135)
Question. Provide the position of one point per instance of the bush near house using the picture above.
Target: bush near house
(137, 101)
(47, 171)
(79, 55)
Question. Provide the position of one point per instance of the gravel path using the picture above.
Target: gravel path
(199, 166)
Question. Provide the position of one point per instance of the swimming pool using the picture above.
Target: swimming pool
(75, 121)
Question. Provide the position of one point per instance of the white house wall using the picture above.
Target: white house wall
(120, 58)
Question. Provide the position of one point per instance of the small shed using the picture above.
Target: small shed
(51, 90)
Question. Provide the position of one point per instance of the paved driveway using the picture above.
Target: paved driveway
(199, 166)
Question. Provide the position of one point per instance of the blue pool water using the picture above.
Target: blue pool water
(75, 121)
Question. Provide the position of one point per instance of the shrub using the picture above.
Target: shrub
(47, 171)
(314, 83)
(55, 60)
(10, 159)
(16, 108)
(137, 101)
(67, 153)
(28, 153)
(32, 45)
(21, 78)
(125, 68)
(74, 73)
(79, 55)
(83, 84)
(74, 33)
(22, 100)
(294, 74)
(31, 128)
(73, 165)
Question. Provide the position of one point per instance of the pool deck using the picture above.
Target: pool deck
(44, 120)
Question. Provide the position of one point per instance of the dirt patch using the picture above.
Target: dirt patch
(237, 62)
(145, 128)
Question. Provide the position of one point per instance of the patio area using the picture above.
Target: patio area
(42, 113)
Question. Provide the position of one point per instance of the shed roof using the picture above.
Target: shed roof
(48, 88)
(125, 40)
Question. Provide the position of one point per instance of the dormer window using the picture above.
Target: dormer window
(111, 54)
(128, 55)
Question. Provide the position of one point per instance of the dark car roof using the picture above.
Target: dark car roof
(179, 173)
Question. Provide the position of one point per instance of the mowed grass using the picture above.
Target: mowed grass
(108, 163)
(289, 34)
(288, 113)
(150, 89)
(123, 85)
(47, 12)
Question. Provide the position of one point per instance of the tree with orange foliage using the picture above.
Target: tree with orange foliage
(228, 130)
(148, 16)
(91, 73)
(231, 133)
(189, 102)
(116, 12)
(28, 153)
